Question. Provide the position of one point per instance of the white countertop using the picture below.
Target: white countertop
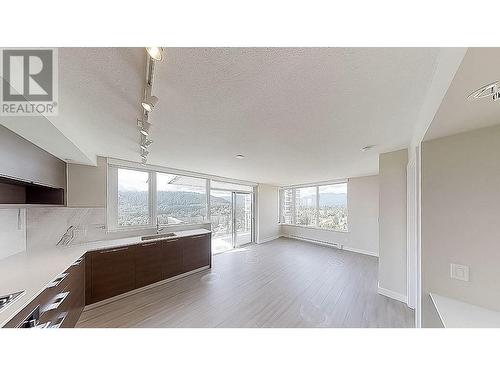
(458, 314)
(33, 271)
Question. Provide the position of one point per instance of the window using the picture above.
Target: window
(332, 213)
(181, 199)
(133, 198)
(305, 206)
(322, 206)
(140, 197)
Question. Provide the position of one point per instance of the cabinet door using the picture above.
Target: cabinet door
(172, 257)
(196, 252)
(112, 273)
(148, 263)
(77, 294)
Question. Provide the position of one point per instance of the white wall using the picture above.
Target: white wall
(461, 218)
(12, 231)
(362, 208)
(267, 213)
(87, 184)
(392, 224)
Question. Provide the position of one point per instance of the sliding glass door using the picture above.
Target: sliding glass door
(231, 215)
(242, 218)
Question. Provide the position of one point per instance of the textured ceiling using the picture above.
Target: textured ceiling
(456, 114)
(298, 114)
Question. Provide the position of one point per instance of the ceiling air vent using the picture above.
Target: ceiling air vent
(491, 90)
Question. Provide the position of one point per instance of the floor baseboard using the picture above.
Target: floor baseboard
(268, 239)
(392, 294)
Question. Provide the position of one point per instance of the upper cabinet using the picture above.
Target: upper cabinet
(28, 174)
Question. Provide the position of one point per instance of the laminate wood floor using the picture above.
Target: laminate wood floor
(282, 283)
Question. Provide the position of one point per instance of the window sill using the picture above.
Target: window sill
(316, 228)
(147, 227)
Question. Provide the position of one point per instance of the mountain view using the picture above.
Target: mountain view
(174, 207)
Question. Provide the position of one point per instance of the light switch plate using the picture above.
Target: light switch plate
(459, 272)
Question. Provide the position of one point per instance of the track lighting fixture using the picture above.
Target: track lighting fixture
(146, 143)
(156, 53)
(144, 127)
(149, 103)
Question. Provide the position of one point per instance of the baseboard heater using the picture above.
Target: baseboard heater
(335, 245)
(332, 244)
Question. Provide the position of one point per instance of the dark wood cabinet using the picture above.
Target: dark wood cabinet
(172, 257)
(76, 298)
(196, 252)
(61, 303)
(148, 263)
(103, 274)
(112, 272)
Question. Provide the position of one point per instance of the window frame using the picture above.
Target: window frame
(281, 196)
(112, 193)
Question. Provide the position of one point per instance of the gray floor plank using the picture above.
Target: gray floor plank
(282, 283)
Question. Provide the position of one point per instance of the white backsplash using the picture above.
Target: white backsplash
(46, 226)
(41, 228)
(12, 231)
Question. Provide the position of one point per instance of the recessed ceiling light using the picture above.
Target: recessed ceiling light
(239, 156)
(489, 90)
(149, 103)
(367, 148)
(156, 53)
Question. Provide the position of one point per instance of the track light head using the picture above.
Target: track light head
(144, 153)
(156, 53)
(149, 103)
(144, 160)
(146, 143)
(144, 127)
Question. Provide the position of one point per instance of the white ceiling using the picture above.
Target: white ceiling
(298, 114)
(456, 114)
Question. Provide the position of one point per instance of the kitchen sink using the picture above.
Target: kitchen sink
(157, 236)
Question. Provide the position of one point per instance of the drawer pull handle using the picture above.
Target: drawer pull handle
(60, 320)
(113, 250)
(77, 262)
(58, 280)
(148, 244)
(173, 240)
(57, 302)
(200, 236)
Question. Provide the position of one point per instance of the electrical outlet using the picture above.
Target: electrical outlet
(459, 272)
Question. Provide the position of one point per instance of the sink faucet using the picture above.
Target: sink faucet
(158, 229)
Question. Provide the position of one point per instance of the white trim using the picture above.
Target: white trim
(135, 291)
(264, 240)
(158, 168)
(331, 244)
(361, 251)
(411, 232)
(321, 183)
(392, 294)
